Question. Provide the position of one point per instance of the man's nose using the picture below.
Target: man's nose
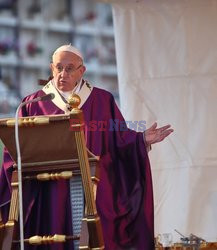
(64, 72)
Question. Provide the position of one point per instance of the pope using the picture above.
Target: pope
(124, 196)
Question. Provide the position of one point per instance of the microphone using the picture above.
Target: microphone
(37, 99)
(40, 98)
(47, 97)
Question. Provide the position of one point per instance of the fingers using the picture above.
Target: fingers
(165, 133)
(164, 127)
(153, 126)
(154, 135)
(164, 130)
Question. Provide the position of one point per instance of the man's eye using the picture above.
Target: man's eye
(59, 68)
(70, 69)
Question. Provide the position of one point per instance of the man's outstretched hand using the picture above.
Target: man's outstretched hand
(154, 134)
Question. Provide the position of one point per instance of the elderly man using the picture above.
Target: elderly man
(124, 196)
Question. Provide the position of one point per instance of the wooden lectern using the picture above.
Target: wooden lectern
(53, 147)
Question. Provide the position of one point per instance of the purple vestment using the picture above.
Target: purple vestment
(124, 195)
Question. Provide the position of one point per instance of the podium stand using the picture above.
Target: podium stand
(52, 148)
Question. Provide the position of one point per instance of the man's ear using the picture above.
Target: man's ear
(51, 67)
(83, 69)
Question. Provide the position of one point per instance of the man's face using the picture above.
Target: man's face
(67, 69)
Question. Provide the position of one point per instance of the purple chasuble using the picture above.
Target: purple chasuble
(124, 195)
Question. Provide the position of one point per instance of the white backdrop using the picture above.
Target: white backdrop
(167, 69)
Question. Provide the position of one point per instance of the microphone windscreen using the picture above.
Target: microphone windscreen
(47, 97)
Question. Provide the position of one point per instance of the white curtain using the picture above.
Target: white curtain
(167, 69)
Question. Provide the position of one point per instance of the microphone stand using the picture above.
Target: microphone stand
(20, 190)
(19, 169)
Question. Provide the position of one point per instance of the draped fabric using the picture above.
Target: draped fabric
(1, 146)
(167, 70)
(124, 195)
